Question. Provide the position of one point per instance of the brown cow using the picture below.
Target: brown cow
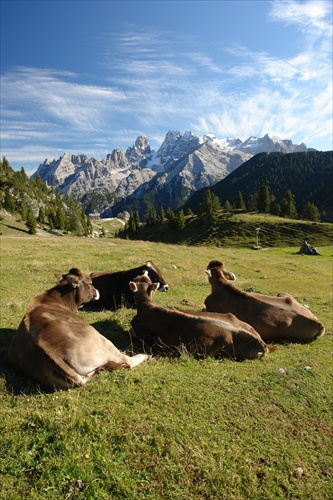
(54, 346)
(205, 334)
(113, 286)
(274, 318)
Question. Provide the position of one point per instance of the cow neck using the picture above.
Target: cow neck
(224, 284)
(65, 294)
(143, 302)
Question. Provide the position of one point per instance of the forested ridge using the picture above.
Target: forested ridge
(309, 176)
(34, 202)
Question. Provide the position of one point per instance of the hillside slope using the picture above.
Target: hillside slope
(239, 230)
(308, 175)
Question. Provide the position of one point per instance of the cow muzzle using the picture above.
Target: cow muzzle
(163, 288)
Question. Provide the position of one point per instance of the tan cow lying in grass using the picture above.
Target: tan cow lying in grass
(274, 318)
(220, 335)
(54, 346)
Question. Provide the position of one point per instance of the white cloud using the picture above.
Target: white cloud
(154, 82)
(308, 15)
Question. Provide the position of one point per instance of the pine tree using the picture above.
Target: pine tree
(60, 218)
(276, 209)
(239, 203)
(207, 210)
(161, 216)
(132, 223)
(31, 222)
(253, 204)
(264, 199)
(288, 206)
(41, 216)
(9, 203)
(228, 206)
(169, 214)
(180, 220)
(152, 217)
(311, 212)
(137, 219)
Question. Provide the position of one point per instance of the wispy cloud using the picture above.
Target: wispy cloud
(310, 16)
(155, 81)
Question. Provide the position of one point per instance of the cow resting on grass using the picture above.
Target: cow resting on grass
(220, 335)
(54, 346)
(113, 286)
(274, 318)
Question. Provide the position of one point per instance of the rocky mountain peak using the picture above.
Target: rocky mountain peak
(117, 159)
(140, 150)
(168, 177)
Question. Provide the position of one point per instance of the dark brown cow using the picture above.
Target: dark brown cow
(54, 346)
(274, 318)
(205, 334)
(113, 286)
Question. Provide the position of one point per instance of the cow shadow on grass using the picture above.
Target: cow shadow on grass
(122, 339)
(18, 384)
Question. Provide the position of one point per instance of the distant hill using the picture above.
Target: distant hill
(309, 176)
(238, 229)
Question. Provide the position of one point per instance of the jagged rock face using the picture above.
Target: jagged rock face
(182, 165)
(270, 145)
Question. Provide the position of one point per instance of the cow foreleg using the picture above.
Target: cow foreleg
(124, 361)
(137, 359)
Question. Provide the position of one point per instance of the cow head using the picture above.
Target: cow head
(78, 285)
(216, 267)
(156, 276)
(143, 289)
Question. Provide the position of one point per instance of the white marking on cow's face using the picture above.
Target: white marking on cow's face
(163, 288)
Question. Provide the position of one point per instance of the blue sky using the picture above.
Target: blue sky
(90, 76)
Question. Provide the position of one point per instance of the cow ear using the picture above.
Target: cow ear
(229, 276)
(58, 276)
(154, 287)
(133, 286)
(72, 280)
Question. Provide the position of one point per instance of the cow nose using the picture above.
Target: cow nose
(163, 288)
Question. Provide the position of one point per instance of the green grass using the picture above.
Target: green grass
(238, 229)
(172, 428)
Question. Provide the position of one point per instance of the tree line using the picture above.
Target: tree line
(210, 208)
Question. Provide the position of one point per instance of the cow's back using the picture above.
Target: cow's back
(201, 333)
(274, 318)
(113, 289)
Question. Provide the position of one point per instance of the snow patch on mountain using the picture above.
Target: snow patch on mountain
(183, 164)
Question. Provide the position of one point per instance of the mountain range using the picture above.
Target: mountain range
(140, 177)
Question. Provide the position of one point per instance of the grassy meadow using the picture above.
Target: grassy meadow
(172, 428)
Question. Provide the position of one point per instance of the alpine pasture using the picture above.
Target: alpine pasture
(174, 427)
